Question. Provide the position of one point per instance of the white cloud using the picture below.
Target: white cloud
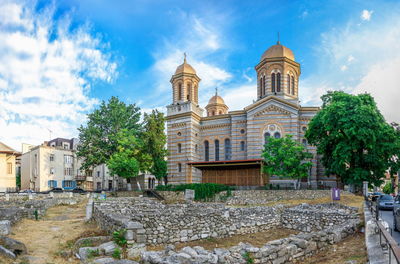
(199, 40)
(373, 53)
(366, 15)
(46, 73)
(240, 97)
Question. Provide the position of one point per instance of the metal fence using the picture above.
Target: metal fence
(386, 240)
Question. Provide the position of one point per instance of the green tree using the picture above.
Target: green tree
(129, 159)
(285, 157)
(155, 142)
(388, 188)
(354, 139)
(99, 139)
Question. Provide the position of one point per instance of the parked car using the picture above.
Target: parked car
(396, 213)
(78, 190)
(56, 190)
(375, 195)
(385, 202)
(28, 191)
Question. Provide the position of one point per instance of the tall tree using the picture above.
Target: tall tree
(155, 141)
(129, 159)
(354, 139)
(285, 157)
(99, 138)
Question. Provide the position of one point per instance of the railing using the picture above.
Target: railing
(394, 249)
(80, 177)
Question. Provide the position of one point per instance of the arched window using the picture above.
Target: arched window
(277, 135)
(263, 85)
(216, 144)
(292, 84)
(179, 148)
(213, 113)
(304, 141)
(273, 82)
(196, 148)
(266, 136)
(220, 112)
(179, 167)
(206, 151)
(278, 82)
(227, 149)
(189, 89)
(242, 146)
(288, 84)
(180, 91)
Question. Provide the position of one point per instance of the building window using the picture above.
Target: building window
(9, 168)
(179, 91)
(228, 149)
(189, 89)
(98, 174)
(51, 157)
(288, 84)
(304, 141)
(261, 87)
(277, 135)
(304, 129)
(68, 159)
(242, 131)
(213, 113)
(266, 136)
(89, 173)
(52, 171)
(206, 151)
(292, 84)
(196, 148)
(179, 167)
(220, 112)
(68, 171)
(52, 183)
(66, 146)
(216, 144)
(68, 184)
(278, 82)
(273, 82)
(179, 134)
(242, 145)
(179, 148)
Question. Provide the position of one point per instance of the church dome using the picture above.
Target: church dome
(185, 68)
(278, 51)
(216, 99)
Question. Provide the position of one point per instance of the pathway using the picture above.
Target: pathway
(46, 238)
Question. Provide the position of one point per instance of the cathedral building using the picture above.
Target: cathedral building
(219, 145)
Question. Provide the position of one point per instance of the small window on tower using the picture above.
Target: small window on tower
(179, 148)
(179, 167)
(242, 146)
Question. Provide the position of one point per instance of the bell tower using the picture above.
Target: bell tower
(183, 125)
(185, 83)
(278, 73)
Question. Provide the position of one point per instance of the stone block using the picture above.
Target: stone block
(5, 227)
(136, 250)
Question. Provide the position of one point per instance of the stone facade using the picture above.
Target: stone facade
(238, 135)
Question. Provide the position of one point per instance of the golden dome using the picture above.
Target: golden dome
(216, 99)
(278, 51)
(185, 68)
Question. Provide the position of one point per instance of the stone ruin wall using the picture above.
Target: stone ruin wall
(163, 223)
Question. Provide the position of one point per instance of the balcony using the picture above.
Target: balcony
(80, 177)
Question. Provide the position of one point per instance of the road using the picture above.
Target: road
(388, 217)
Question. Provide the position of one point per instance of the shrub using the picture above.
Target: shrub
(117, 253)
(203, 191)
(248, 258)
(119, 238)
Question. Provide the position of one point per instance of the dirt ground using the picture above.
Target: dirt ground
(46, 238)
(350, 249)
(256, 239)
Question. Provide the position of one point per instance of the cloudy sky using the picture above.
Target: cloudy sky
(60, 58)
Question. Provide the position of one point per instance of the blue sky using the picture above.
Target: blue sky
(64, 56)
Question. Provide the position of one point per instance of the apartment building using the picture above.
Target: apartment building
(8, 168)
(55, 164)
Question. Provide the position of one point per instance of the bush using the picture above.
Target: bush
(203, 191)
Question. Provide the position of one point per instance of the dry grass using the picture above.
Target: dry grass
(256, 239)
(57, 231)
(351, 248)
